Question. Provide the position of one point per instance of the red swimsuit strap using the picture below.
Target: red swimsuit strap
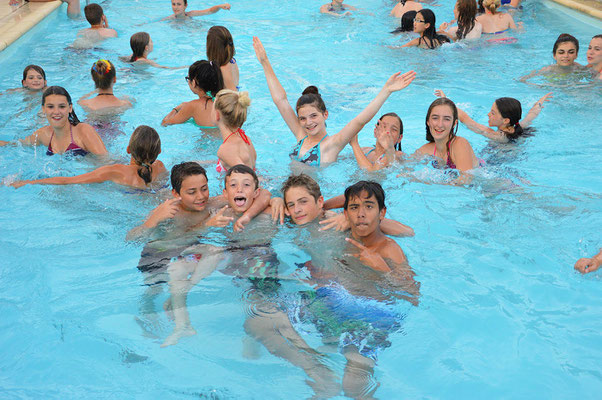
(242, 134)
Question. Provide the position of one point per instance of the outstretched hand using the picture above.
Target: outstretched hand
(545, 98)
(18, 184)
(225, 6)
(399, 81)
(259, 50)
(439, 93)
(585, 265)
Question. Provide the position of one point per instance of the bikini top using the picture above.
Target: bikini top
(449, 163)
(73, 147)
(311, 157)
(219, 167)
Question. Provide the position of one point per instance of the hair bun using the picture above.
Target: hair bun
(311, 90)
(243, 99)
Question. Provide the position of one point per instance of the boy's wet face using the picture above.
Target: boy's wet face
(301, 205)
(240, 191)
(194, 193)
(363, 214)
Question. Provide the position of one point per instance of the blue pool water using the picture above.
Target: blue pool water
(501, 314)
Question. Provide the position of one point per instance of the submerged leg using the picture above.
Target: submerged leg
(358, 380)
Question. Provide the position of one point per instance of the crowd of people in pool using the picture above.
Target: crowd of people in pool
(221, 106)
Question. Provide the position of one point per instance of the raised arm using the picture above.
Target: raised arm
(361, 158)
(208, 11)
(535, 110)
(277, 91)
(395, 83)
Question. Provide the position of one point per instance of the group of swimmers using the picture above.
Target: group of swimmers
(220, 106)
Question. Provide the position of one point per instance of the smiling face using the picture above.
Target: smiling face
(420, 25)
(194, 193)
(178, 7)
(301, 205)
(495, 117)
(441, 121)
(34, 80)
(57, 109)
(566, 53)
(594, 51)
(240, 191)
(312, 120)
(388, 130)
(363, 214)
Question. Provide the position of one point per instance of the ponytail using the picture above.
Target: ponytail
(145, 146)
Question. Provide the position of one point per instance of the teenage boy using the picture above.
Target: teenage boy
(99, 26)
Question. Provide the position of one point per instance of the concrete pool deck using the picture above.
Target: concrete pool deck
(16, 20)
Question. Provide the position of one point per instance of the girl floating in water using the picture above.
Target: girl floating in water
(314, 146)
(465, 12)
(505, 115)
(142, 44)
(64, 134)
(204, 80)
(388, 133)
(230, 113)
(143, 169)
(221, 51)
(179, 10)
(443, 144)
(424, 24)
(104, 76)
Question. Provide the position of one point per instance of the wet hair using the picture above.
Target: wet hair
(443, 101)
(394, 115)
(406, 22)
(60, 91)
(564, 38)
(242, 169)
(480, 8)
(207, 76)
(233, 106)
(36, 68)
(181, 171)
(435, 40)
(511, 108)
(311, 96)
(93, 13)
(220, 45)
(103, 73)
(138, 43)
(467, 11)
(145, 146)
(491, 5)
(597, 37)
(371, 188)
(304, 181)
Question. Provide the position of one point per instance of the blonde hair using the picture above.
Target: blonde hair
(492, 5)
(233, 106)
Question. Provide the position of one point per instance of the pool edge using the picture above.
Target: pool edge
(581, 7)
(20, 23)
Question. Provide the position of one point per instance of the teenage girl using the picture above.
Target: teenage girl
(424, 25)
(388, 133)
(142, 44)
(594, 55)
(221, 51)
(179, 10)
(230, 113)
(314, 146)
(493, 21)
(204, 80)
(104, 76)
(34, 78)
(465, 13)
(143, 169)
(337, 8)
(404, 6)
(505, 115)
(64, 134)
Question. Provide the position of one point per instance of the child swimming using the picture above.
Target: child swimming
(424, 24)
(204, 80)
(505, 115)
(104, 77)
(308, 125)
(34, 78)
(230, 113)
(405, 6)
(494, 22)
(465, 12)
(142, 44)
(143, 170)
(65, 133)
(335, 7)
(179, 10)
(221, 52)
(98, 30)
(388, 133)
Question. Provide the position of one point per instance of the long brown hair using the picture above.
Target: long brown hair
(145, 146)
(220, 45)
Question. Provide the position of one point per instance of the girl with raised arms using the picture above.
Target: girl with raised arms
(141, 172)
(388, 133)
(64, 134)
(314, 146)
(179, 10)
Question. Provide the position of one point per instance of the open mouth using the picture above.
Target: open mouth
(240, 201)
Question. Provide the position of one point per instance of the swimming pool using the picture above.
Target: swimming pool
(501, 314)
